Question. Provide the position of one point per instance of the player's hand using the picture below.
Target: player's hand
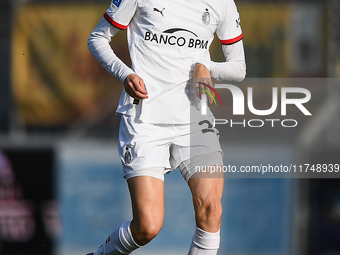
(135, 87)
(202, 80)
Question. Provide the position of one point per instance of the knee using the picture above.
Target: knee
(209, 211)
(143, 233)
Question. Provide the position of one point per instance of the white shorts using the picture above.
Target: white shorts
(155, 149)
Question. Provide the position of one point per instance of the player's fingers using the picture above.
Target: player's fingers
(135, 94)
(130, 91)
(139, 95)
(209, 88)
(134, 86)
(195, 84)
(139, 86)
(204, 83)
(204, 88)
(199, 87)
(212, 86)
(129, 88)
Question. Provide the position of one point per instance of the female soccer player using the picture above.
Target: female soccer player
(162, 127)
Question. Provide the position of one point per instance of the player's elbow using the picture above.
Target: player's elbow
(241, 74)
(94, 42)
(90, 43)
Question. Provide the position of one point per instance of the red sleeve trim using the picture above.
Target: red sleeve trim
(114, 23)
(231, 41)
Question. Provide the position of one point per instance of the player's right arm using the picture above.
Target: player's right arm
(98, 44)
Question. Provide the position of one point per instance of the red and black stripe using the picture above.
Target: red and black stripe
(232, 41)
(114, 23)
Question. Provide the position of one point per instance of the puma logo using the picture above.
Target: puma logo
(161, 12)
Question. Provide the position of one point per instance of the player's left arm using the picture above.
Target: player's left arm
(230, 35)
(234, 67)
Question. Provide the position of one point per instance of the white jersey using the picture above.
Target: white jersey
(166, 39)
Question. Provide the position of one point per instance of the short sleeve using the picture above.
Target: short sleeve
(229, 29)
(121, 12)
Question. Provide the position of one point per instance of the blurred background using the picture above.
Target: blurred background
(61, 185)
